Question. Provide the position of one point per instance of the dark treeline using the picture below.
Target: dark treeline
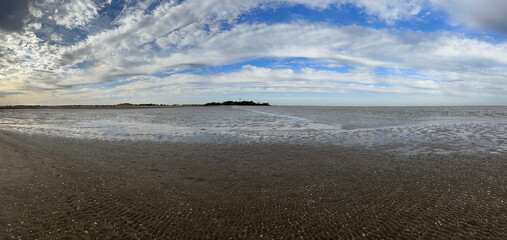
(121, 105)
(131, 105)
(241, 103)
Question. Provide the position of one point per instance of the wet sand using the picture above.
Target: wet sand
(58, 188)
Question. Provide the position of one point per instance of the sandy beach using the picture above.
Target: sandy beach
(57, 188)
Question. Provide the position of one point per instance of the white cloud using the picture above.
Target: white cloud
(350, 45)
(260, 81)
(75, 13)
(448, 64)
(391, 10)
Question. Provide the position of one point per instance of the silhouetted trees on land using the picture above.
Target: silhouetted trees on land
(238, 103)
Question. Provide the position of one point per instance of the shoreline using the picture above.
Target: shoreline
(98, 106)
(56, 187)
(134, 106)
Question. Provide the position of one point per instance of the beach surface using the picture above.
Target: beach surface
(53, 187)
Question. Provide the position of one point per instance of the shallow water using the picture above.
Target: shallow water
(408, 130)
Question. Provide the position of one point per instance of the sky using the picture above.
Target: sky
(285, 52)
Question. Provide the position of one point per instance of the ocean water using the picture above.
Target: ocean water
(409, 130)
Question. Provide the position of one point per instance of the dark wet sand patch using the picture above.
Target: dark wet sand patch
(57, 188)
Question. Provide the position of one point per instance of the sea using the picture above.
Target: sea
(407, 130)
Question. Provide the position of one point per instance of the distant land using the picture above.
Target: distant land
(242, 103)
(130, 105)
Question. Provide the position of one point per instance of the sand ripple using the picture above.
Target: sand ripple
(54, 188)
